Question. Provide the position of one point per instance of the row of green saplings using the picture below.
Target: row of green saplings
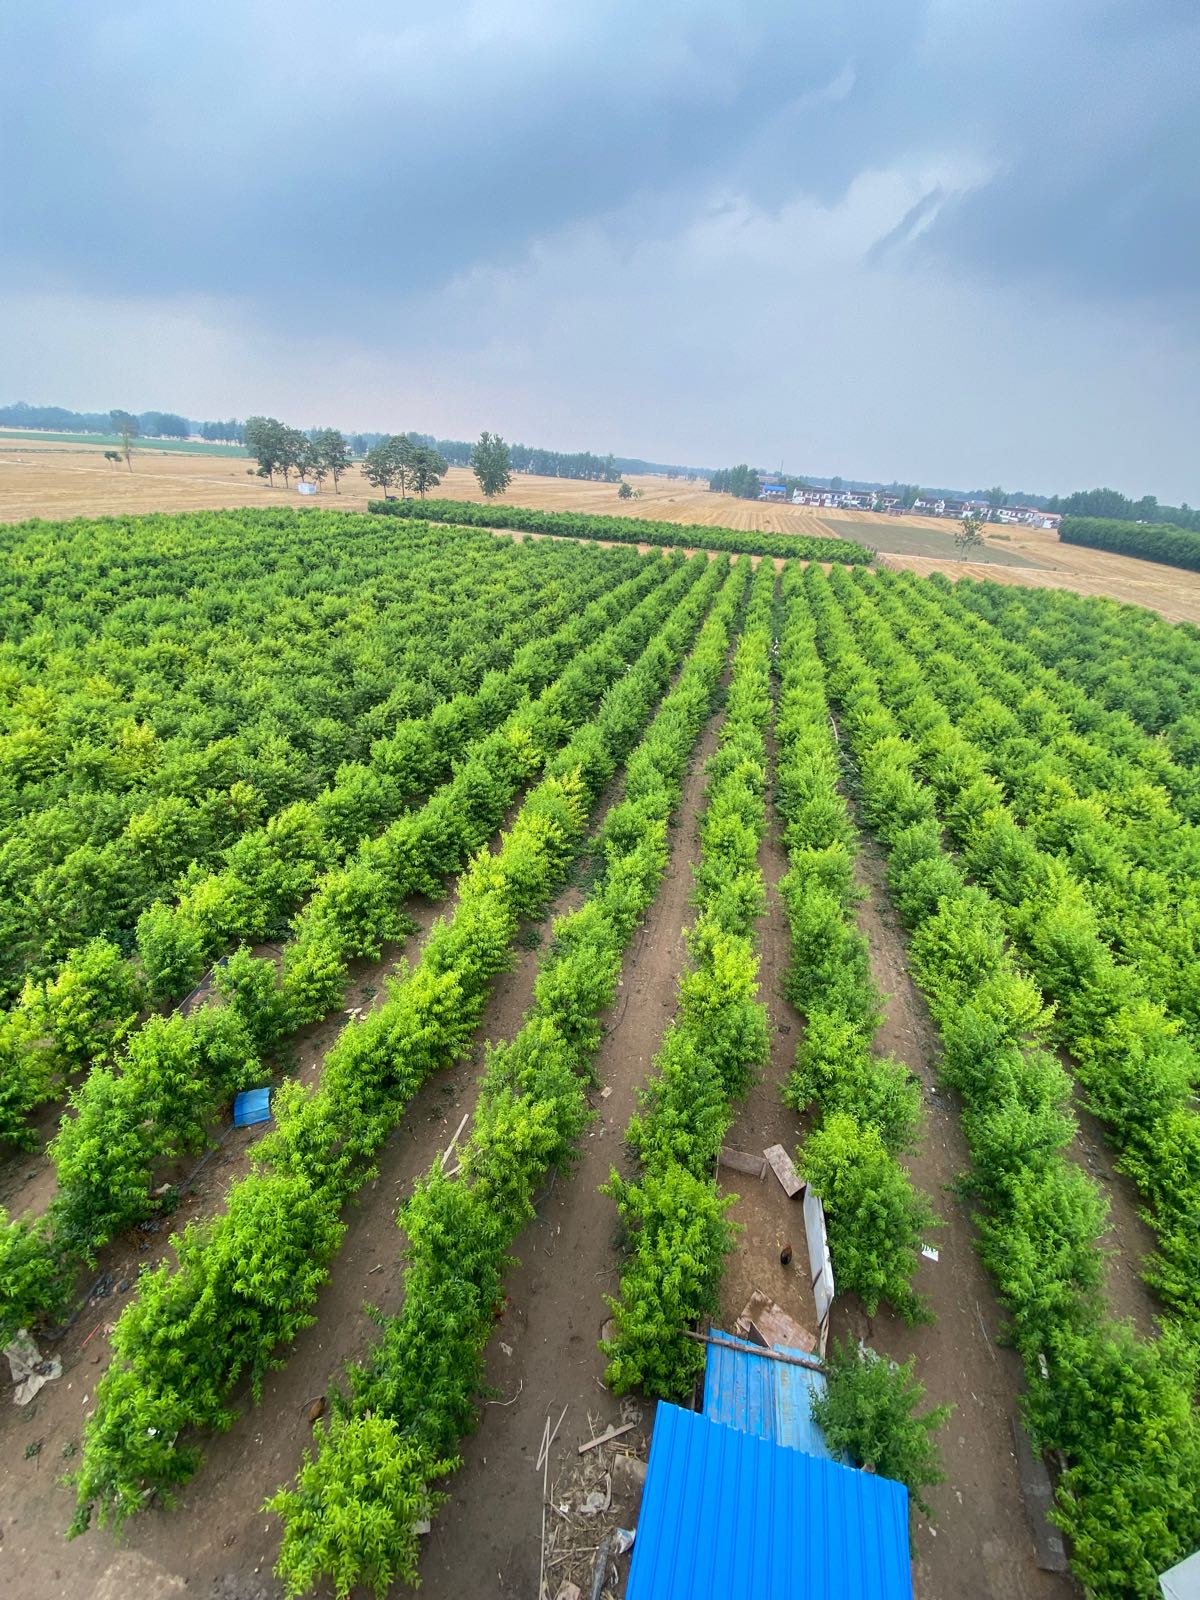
(673, 1210)
(246, 1281)
(177, 1072)
(1120, 1409)
(1096, 952)
(139, 756)
(92, 1007)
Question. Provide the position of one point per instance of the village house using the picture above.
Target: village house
(1028, 517)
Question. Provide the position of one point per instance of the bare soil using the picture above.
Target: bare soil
(487, 1541)
(979, 1543)
(907, 536)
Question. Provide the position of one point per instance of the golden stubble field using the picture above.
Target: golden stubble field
(62, 481)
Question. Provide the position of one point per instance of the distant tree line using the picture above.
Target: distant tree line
(229, 432)
(54, 419)
(314, 456)
(580, 464)
(1112, 505)
(742, 481)
(557, 464)
(1169, 543)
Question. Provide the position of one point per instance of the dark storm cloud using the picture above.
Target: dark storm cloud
(249, 150)
(297, 153)
(1091, 112)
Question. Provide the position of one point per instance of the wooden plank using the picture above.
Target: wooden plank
(449, 1150)
(782, 1166)
(767, 1323)
(608, 1435)
(743, 1161)
(756, 1350)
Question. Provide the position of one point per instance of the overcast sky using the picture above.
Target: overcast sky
(950, 241)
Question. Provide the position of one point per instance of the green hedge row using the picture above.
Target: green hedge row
(132, 754)
(1128, 658)
(870, 1105)
(374, 1469)
(1150, 758)
(160, 1098)
(1121, 1409)
(84, 1013)
(673, 1211)
(1136, 1070)
(1117, 835)
(1150, 541)
(626, 530)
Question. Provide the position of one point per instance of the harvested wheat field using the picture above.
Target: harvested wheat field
(53, 480)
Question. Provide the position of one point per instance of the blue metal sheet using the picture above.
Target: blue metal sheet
(793, 1390)
(251, 1106)
(769, 1399)
(727, 1515)
(738, 1387)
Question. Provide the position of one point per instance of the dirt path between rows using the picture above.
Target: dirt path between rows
(980, 1543)
(487, 1540)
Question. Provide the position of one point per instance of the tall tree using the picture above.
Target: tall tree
(312, 463)
(968, 541)
(331, 454)
(295, 452)
(426, 468)
(125, 424)
(387, 462)
(264, 441)
(490, 464)
(996, 498)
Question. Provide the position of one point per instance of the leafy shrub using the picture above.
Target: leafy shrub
(32, 1283)
(90, 1005)
(869, 1411)
(352, 1517)
(680, 1240)
(630, 530)
(876, 1219)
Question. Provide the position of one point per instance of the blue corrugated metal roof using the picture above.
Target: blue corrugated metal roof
(738, 1389)
(771, 1399)
(768, 1398)
(794, 1390)
(730, 1516)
